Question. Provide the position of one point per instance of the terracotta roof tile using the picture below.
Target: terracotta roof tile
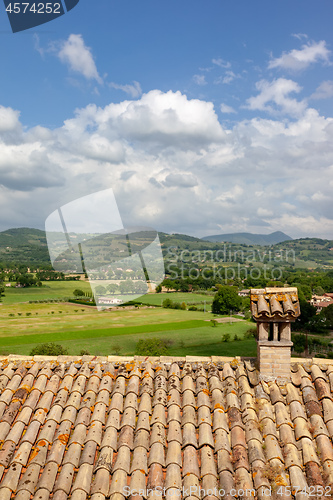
(275, 303)
(191, 484)
(145, 403)
(296, 410)
(301, 428)
(252, 431)
(174, 455)
(165, 420)
(173, 413)
(159, 415)
(174, 432)
(281, 413)
(188, 398)
(141, 438)
(222, 440)
(190, 461)
(286, 434)
(268, 428)
(189, 436)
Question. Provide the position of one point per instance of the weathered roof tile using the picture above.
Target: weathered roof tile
(185, 409)
(190, 462)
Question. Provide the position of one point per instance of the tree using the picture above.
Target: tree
(78, 293)
(318, 290)
(152, 347)
(126, 286)
(113, 288)
(48, 349)
(26, 280)
(327, 316)
(100, 290)
(167, 304)
(308, 313)
(226, 300)
(2, 290)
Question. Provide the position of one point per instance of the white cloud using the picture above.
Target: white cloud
(264, 212)
(9, 120)
(227, 109)
(37, 45)
(78, 57)
(277, 93)
(227, 78)
(300, 36)
(133, 90)
(324, 91)
(221, 63)
(304, 225)
(199, 80)
(180, 180)
(300, 59)
(173, 167)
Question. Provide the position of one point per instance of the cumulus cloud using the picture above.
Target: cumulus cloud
(78, 57)
(324, 91)
(173, 167)
(275, 96)
(9, 120)
(133, 90)
(296, 60)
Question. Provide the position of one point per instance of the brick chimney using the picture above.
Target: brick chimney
(274, 309)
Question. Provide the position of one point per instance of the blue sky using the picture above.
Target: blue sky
(204, 117)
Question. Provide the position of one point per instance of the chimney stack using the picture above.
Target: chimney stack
(274, 309)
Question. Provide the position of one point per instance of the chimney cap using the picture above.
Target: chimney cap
(275, 303)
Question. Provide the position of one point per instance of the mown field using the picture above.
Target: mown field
(112, 331)
(49, 290)
(156, 299)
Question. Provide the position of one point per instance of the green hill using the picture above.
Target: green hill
(249, 238)
(29, 246)
(23, 245)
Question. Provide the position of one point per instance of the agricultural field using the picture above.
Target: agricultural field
(114, 331)
(156, 299)
(50, 290)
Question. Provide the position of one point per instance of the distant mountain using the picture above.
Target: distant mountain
(28, 246)
(249, 238)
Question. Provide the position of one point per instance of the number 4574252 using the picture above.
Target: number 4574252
(36, 8)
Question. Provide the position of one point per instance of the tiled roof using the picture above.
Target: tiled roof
(274, 303)
(324, 303)
(104, 429)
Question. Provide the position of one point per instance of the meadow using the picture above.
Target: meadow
(156, 299)
(114, 331)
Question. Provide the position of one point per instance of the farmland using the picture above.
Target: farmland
(113, 331)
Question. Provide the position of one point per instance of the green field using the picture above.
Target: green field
(49, 290)
(113, 331)
(156, 299)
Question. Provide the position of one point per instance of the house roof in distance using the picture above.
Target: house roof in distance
(274, 303)
(102, 428)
